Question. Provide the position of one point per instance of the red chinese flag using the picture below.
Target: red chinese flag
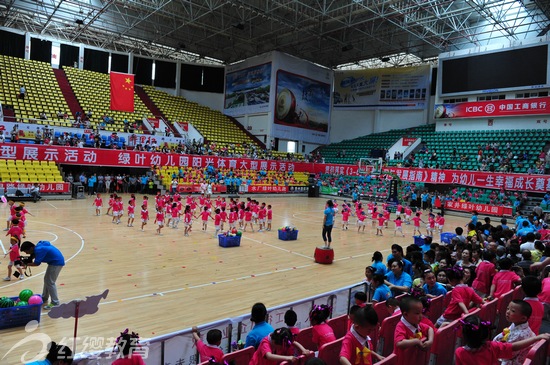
(122, 92)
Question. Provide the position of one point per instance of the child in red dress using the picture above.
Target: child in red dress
(504, 280)
(478, 350)
(532, 286)
(357, 345)
(277, 347)
(413, 338)
(322, 332)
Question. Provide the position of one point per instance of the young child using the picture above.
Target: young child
(174, 216)
(322, 333)
(461, 297)
(277, 347)
(412, 339)
(381, 290)
(159, 219)
(416, 224)
(380, 225)
(14, 259)
(98, 203)
(248, 219)
(16, 229)
(211, 351)
(504, 280)
(111, 202)
(205, 214)
(398, 227)
(517, 313)
(131, 212)
(357, 346)
(127, 344)
(187, 220)
(223, 215)
(439, 222)
(361, 216)
(261, 217)
(269, 217)
(532, 287)
(290, 320)
(217, 222)
(478, 350)
(360, 298)
(408, 212)
(485, 272)
(430, 227)
(144, 216)
(345, 218)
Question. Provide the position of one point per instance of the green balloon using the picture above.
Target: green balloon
(25, 294)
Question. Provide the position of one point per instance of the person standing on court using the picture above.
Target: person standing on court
(44, 251)
(328, 222)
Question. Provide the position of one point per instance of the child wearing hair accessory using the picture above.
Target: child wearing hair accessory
(111, 202)
(357, 346)
(345, 217)
(277, 347)
(159, 219)
(478, 350)
(127, 343)
(210, 351)
(461, 297)
(413, 338)
(187, 220)
(322, 333)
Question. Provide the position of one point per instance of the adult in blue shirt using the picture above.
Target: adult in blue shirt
(44, 251)
(261, 327)
(381, 291)
(397, 254)
(57, 355)
(397, 280)
(328, 222)
(431, 287)
(378, 264)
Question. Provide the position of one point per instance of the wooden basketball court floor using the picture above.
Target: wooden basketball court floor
(161, 284)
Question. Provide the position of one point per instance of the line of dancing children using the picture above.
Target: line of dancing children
(380, 218)
(15, 229)
(170, 210)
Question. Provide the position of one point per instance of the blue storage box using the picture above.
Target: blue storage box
(419, 240)
(446, 237)
(229, 241)
(19, 316)
(288, 235)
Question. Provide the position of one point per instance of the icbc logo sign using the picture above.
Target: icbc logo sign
(474, 109)
(489, 108)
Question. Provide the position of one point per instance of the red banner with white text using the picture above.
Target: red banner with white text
(480, 208)
(493, 108)
(486, 180)
(125, 158)
(45, 188)
(407, 141)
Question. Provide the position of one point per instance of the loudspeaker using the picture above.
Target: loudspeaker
(313, 191)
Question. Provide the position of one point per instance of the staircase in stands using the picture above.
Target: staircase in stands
(67, 91)
(153, 108)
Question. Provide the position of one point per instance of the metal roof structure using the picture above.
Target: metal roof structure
(331, 33)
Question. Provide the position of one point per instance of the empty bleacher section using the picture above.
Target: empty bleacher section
(92, 89)
(29, 171)
(42, 90)
(213, 125)
(349, 151)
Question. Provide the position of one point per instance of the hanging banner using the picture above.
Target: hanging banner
(493, 108)
(487, 180)
(384, 88)
(302, 100)
(248, 86)
(480, 208)
(128, 158)
(45, 187)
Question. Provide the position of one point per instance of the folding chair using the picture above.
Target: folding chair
(240, 356)
(330, 352)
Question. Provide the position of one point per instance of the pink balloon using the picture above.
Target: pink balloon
(4, 200)
(35, 299)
